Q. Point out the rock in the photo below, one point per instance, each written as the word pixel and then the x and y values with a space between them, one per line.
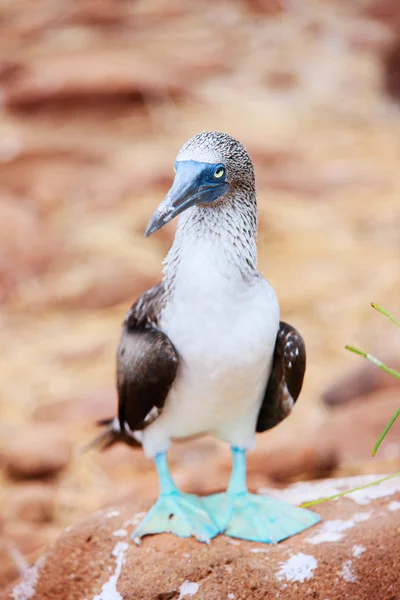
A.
pixel 9 570
pixel 27 586
pixel 273 462
pixel 21 543
pixel 302 179
pixel 351 554
pixel 387 11
pixel 354 429
pixel 38 452
pixel 33 502
pixel 102 284
pixel 391 67
pixel 82 409
pixel 29 539
pixel 100 72
pixel 299 459
pixel 365 379
pixel 27 247
pixel 265 7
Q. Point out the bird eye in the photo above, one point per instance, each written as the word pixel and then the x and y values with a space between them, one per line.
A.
pixel 219 172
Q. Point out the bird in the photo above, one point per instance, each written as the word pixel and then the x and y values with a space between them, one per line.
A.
pixel 204 351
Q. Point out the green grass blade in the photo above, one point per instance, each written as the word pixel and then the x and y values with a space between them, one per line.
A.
pixel 361 487
pixel 386 313
pixel 384 432
pixel 374 361
pixel 378 363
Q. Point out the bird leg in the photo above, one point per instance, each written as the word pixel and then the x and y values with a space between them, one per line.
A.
pixel 252 517
pixel 175 512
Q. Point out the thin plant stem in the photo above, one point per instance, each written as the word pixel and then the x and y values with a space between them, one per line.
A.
pixel 361 487
pixel 378 363
pixel 386 313
pixel 384 432
pixel 375 361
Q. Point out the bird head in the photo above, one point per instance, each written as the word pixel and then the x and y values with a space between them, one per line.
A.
pixel 208 166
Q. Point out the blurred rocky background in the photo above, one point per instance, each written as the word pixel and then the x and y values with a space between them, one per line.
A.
pixel 96 98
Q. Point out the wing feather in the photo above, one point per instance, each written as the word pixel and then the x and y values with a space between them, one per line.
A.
pixel 286 378
pixel 147 363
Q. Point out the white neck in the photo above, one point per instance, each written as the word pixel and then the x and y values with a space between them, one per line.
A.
pixel 226 233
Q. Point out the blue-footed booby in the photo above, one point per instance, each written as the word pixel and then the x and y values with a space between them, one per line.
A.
pixel 205 352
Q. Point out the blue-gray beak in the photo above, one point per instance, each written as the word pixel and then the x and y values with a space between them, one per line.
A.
pixel 193 184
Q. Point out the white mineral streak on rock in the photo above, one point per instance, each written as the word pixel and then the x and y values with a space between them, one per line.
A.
pixel 112 513
pixel 188 588
pixel 259 550
pixel 346 572
pixel 26 588
pixel 135 520
pixel 332 531
pixel 358 550
pixel 109 589
pixel 395 505
pixel 120 533
pixel 19 559
pixel 231 596
pixel 304 492
pixel 299 567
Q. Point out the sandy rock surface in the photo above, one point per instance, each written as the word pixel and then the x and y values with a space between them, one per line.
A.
pixel 37 452
pixel 353 554
pixel 96 97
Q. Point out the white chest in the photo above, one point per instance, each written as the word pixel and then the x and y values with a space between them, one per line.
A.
pixel 233 324
pixel 224 329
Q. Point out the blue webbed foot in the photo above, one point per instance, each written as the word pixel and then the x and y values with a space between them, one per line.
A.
pixel 257 518
pixel 178 513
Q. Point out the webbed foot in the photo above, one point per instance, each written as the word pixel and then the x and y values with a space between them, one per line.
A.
pixel 178 513
pixel 257 518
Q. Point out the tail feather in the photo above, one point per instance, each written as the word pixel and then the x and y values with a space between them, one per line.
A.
pixel 111 435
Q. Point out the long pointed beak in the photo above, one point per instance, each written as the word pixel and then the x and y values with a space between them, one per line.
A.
pixel 187 190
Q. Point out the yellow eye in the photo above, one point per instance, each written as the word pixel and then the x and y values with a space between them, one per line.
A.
pixel 219 172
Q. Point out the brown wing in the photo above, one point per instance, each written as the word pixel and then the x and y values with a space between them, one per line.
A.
pixel 146 363
pixel 286 378
pixel 146 368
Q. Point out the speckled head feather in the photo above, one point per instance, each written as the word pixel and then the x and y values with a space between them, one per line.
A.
pixel 219 147
pixel 229 225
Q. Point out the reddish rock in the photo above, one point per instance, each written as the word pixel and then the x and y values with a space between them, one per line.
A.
pixel 299 459
pixel 21 544
pixel 26 246
pixel 81 410
pixel 387 11
pixel 302 179
pixel 354 429
pixel 270 463
pixel 351 554
pixel 9 570
pixel 91 73
pixel 41 451
pixel 29 539
pixel 266 7
pixel 33 502
pixel 391 66
pixel 103 285
pixel 281 80
pixel 361 381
